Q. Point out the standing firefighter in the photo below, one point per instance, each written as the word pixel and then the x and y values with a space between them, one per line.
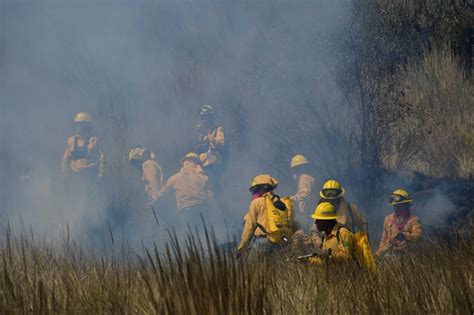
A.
pixel 303 198
pixel 269 217
pixel 83 168
pixel 83 155
pixel 211 144
pixel 347 214
pixel 191 188
pixel 144 161
pixel 338 241
pixel 401 229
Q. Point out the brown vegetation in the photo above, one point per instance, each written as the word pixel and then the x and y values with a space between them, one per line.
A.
pixel 192 280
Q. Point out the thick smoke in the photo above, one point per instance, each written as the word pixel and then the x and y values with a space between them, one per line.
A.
pixel 143 69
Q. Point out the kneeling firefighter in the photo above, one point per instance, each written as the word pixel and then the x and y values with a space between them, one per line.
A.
pixel 269 219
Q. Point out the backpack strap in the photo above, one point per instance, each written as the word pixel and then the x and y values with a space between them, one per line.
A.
pixel 262 229
pixel 74 146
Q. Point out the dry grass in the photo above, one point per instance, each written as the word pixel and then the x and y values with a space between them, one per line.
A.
pixel 192 280
pixel 438 122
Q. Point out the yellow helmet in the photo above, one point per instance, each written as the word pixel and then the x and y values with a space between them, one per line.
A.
pixel 191 156
pixel 207 110
pixel 332 190
pixel 324 211
pixel 82 117
pixel 133 154
pixel 263 179
pixel 298 160
pixel 400 196
pixel 140 154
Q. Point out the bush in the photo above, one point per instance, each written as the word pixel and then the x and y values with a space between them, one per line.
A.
pixel 439 121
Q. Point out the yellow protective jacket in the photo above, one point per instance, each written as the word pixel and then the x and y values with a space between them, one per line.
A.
pixel 190 185
pixel 412 231
pixel 152 178
pixel 256 214
pixel 83 156
pixel 216 140
pixel 304 195
pixel 340 243
pixel 354 221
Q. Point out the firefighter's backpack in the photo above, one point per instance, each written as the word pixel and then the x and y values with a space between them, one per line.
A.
pixel 279 227
pixel 362 248
pixel 362 251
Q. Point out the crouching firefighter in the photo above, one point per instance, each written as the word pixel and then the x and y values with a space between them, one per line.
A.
pixel 144 161
pixel 339 244
pixel 337 241
pixel 269 220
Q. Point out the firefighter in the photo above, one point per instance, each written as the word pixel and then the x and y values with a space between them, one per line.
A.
pixel 304 195
pixel 83 155
pixel 144 161
pixel 338 241
pixel 256 220
pixel 82 168
pixel 211 145
pixel 304 200
pixel 191 188
pixel 347 213
pixel 401 229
